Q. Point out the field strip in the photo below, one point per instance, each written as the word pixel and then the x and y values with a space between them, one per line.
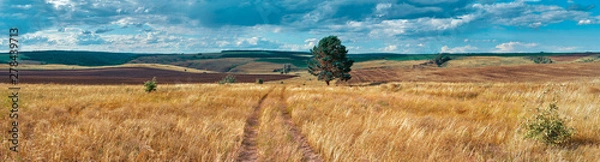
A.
pixel 308 154
pixel 248 150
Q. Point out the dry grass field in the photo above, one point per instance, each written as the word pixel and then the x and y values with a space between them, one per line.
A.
pixel 454 113
pixel 425 121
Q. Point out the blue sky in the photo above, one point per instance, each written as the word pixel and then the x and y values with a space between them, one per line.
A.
pixel 395 26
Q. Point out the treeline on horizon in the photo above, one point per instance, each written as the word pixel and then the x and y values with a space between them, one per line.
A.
pixel 94 58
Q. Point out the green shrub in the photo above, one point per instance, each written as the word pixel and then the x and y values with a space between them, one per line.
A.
pixel 227 79
pixel 150 85
pixel 440 59
pixel 541 60
pixel 259 81
pixel 548 127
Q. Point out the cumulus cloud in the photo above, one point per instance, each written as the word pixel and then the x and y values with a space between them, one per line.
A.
pixel 390 48
pixel 584 22
pixel 519 13
pixel 515 47
pixel 366 26
pixel 463 49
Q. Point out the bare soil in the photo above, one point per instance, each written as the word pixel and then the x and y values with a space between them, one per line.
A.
pixel 248 150
pixel 520 73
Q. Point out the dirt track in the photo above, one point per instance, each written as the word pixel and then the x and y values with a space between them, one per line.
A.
pixel 521 73
pixel 308 153
pixel 132 75
pixel 248 151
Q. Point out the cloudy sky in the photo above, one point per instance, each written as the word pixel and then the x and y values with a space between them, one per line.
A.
pixel 395 26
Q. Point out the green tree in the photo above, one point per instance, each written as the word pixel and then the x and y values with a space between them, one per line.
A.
pixel 329 60
pixel 440 59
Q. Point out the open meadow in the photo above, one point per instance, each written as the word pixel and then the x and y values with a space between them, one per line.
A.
pixel 401 121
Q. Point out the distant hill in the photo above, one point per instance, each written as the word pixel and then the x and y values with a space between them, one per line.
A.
pixel 221 61
pixel 81 58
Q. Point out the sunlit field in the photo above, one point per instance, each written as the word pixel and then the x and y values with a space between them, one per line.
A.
pixel 404 121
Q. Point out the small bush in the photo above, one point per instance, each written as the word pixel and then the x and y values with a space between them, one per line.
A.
pixel 541 60
pixel 150 85
pixel 548 127
pixel 259 81
pixel 227 79
pixel 440 59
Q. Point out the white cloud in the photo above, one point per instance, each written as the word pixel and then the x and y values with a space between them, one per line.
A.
pixel 60 3
pixel 383 6
pixel 464 49
pixel 417 26
pixel 390 48
pixel 430 2
pixel 515 47
pixel 519 13
pixel 222 43
pixel 308 44
pixel 584 22
pixel 24 7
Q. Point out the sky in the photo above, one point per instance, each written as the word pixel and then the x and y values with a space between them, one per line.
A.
pixel 364 26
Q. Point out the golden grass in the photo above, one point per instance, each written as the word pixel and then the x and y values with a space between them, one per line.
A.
pixel 275 143
pixel 478 61
pixel 433 122
pixel 386 63
pixel 424 121
pixel 123 123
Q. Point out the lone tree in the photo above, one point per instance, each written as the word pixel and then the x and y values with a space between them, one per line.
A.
pixel 329 60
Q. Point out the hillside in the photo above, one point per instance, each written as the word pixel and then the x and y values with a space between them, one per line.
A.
pixel 262 61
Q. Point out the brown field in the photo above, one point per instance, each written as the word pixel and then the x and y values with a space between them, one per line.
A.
pixel 132 75
pixel 518 73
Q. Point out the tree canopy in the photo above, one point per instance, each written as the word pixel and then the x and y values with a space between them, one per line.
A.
pixel 329 60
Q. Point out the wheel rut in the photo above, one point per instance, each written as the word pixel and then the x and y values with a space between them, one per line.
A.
pixel 308 154
pixel 248 150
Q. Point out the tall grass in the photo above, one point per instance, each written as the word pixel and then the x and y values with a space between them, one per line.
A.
pixel 123 123
pixel 443 121
pixel 390 122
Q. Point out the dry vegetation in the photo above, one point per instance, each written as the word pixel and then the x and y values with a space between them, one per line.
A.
pixel 391 122
pixel 444 121
pixel 418 116
pixel 118 123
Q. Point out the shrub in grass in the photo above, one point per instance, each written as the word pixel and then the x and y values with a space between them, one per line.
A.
pixel 259 81
pixel 150 85
pixel 546 126
pixel 440 59
pixel 227 79
pixel 541 60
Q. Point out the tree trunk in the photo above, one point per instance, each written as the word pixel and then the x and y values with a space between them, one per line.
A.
pixel 327 83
